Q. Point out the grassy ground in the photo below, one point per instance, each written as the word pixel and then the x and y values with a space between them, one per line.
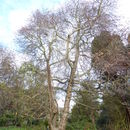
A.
pixel 17 128
pixel 12 128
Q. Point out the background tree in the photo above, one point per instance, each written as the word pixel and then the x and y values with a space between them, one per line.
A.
pixel 112 113
pixel 111 61
pixel 23 93
pixel 34 100
pixel 84 114
pixel 7 67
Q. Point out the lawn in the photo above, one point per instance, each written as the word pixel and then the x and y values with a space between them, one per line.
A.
pixel 12 128
pixel 17 128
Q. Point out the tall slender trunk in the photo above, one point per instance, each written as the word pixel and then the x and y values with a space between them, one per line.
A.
pixel 63 121
pixel 53 107
pixel 62 124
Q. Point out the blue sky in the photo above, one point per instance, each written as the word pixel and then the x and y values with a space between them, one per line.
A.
pixel 14 15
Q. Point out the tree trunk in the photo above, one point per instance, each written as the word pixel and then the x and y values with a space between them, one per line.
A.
pixel 63 121
pixel 67 103
pixel 53 107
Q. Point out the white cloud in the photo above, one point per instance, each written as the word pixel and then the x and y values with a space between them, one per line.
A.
pixel 5 34
pixel 17 19
pixel 123 12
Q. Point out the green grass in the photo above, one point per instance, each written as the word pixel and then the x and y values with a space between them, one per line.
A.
pixel 17 128
pixel 12 128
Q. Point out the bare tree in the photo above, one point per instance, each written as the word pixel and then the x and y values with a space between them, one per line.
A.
pixel 60 43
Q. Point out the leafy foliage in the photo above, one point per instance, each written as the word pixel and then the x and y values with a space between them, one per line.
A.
pixel 85 112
